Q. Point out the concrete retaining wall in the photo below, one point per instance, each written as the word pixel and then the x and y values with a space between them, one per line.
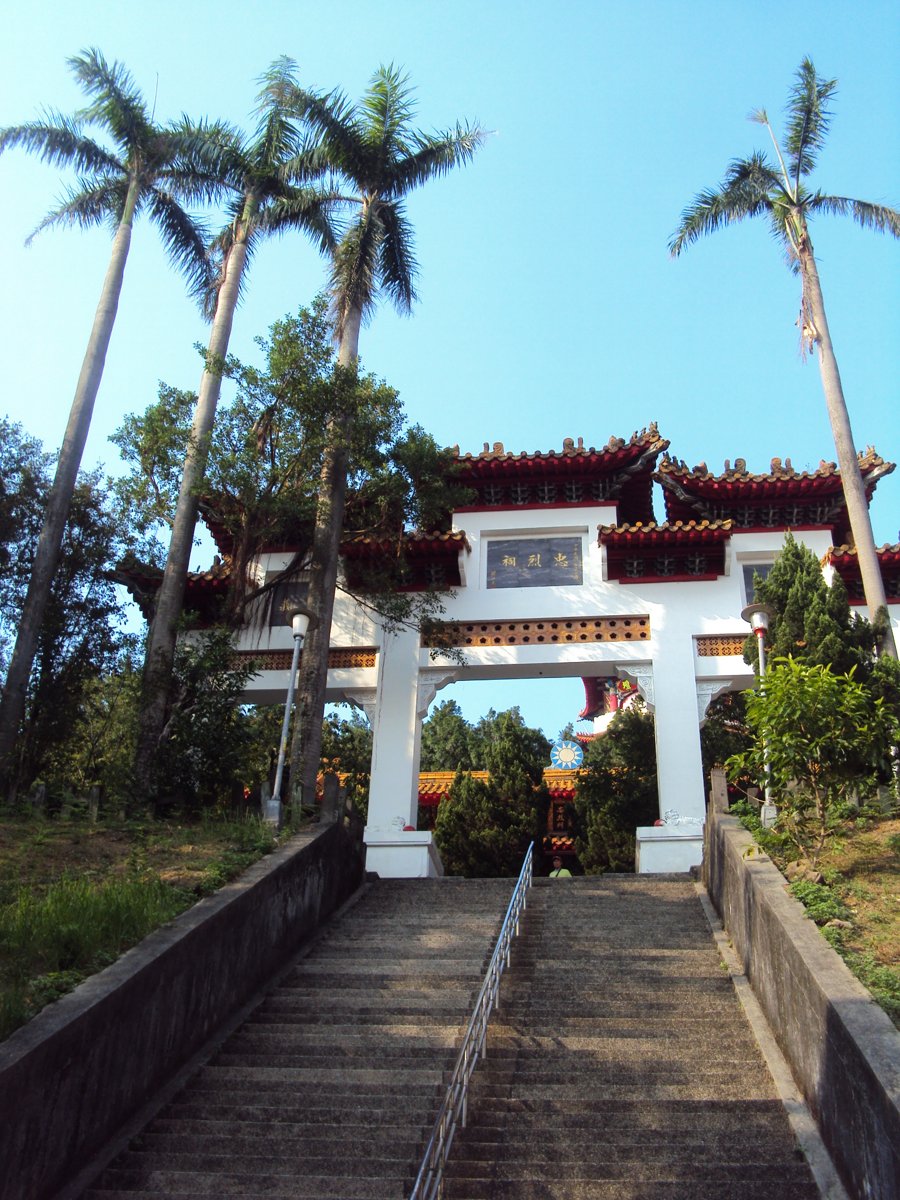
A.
pixel 82 1067
pixel 842 1048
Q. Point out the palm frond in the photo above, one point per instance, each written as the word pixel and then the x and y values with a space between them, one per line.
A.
pixel 750 187
pixel 218 253
pixel 869 216
pixel 204 160
pixel 397 262
pixel 117 104
pixel 302 208
pixel 433 156
pixel 93 203
pixel 354 270
pixel 184 240
pixel 387 107
pixel 277 135
pixel 342 146
pixel 58 140
pixel 808 119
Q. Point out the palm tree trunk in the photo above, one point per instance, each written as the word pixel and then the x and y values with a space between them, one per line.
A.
pixel 160 655
pixel 848 462
pixel 306 746
pixel 46 559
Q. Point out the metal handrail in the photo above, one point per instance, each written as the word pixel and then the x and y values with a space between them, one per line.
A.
pixel 453 1110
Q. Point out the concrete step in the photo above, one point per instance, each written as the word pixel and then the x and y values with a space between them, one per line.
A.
pixel 619 1063
pixel 252 1185
pixel 760 1187
pixel 331 1086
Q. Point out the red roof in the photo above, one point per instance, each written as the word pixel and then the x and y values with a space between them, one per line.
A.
pixel 782 498
pixel 845 561
pixel 675 551
pixel 621 473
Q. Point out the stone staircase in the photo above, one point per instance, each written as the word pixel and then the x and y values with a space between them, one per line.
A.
pixel 620 1064
pixel 331 1086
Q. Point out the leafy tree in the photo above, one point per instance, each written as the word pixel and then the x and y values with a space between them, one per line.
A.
pixel 24 472
pixel 268 178
pixel 725 731
pixel 813 730
pixel 80 635
pixel 264 455
pixel 447 740
pixel 484 828
pixel 374 151
pixel 617 792
pixel 208 738
pixel 347 750
pixel 98 746
pixel 149 169
pixel 779 192
pixel 812 621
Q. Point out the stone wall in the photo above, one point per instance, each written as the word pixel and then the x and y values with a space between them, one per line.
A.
pixel 842 1048
pixel 72 1076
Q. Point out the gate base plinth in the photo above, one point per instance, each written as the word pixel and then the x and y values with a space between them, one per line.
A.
pixel 402 854
pixel 665 848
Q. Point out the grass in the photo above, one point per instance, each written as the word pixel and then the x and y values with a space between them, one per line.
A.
pixel 74 895
pixel 857 903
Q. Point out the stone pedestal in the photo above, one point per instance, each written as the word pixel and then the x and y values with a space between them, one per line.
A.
pixel 401 854
pixel 664 848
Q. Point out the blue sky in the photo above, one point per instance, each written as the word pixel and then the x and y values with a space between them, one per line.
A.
pixel 549 307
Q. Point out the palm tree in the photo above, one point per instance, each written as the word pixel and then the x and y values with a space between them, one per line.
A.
pixel 755 187
pixel 149 169
pixel 373 149
pixel 268 179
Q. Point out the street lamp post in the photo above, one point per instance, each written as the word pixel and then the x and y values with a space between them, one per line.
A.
pixel 759 616
pixel 299 626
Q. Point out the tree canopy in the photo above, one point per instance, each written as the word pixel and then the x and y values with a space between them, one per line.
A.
pixel 617 792
pixel 483 828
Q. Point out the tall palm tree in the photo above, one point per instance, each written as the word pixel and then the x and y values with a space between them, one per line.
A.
pixel 148 170
pixel 374 151
pixel 756 187
pixel 268 177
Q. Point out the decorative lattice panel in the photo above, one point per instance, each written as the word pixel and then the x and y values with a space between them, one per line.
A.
pixel 280 660
pixel 551 632
pixel 716 646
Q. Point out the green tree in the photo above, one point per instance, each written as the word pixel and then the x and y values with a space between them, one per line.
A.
pixel 149 168
pixel 484 828
pixel 779 192
pixel 80 635
pixel 347 751
pixel 617 792
pixel 812 621
pixel 208 738
pixel 446 740
pixel 373 150
pixel 813 730
pixel 268 178
pixel 265 451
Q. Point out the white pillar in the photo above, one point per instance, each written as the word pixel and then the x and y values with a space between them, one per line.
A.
pixel 393 850
pixel 669 688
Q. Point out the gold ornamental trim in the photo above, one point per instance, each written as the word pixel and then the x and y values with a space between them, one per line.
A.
pixel 716 646
pixel 280 660
pixel 549 631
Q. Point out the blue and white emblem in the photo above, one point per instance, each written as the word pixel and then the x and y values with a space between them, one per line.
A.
pixel 566 755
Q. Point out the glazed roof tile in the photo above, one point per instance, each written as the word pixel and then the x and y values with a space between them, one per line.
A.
pixel 669 531
pixel 886 553
pixel 780 471
pixel 495 454
pixel 415 541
